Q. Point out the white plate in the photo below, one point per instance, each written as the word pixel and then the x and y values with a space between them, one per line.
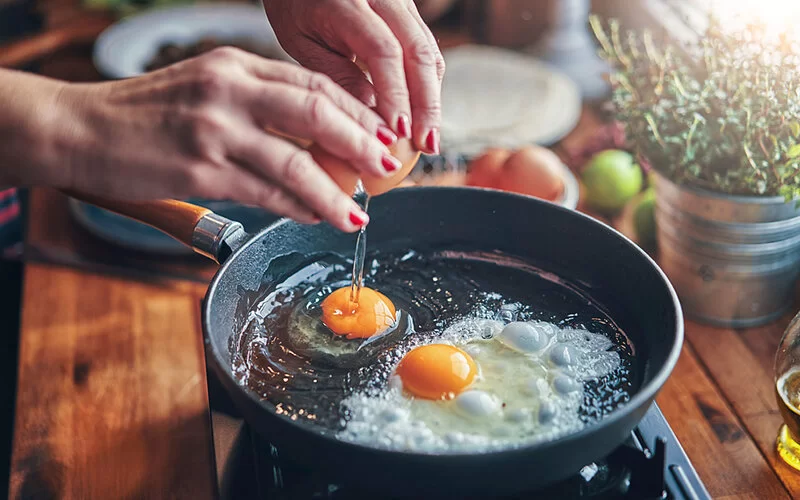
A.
pixel 125 48
pixel 494 97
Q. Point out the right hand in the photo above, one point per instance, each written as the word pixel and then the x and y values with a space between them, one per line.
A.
pixel 199 128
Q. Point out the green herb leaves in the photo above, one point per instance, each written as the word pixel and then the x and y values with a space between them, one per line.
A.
pixel 723 115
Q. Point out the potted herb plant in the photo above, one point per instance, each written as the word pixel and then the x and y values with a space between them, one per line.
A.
pixel 718 122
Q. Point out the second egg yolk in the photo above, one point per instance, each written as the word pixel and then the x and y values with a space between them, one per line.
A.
pixel 374 313
pixel 436 371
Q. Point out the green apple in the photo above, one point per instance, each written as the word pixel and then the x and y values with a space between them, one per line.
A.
pixel 611 178
pixel 644 217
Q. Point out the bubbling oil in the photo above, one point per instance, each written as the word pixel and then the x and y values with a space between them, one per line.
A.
pixel 288 357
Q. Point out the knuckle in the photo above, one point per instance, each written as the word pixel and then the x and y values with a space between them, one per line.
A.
pixel 225 53
pixel 441 67
pixel 431 110
pixel 397 93
pixel 205 127
pixel 385 48
pixel 364 147
pixel 422 53
pixel 318 110
pixel 206 124
pixel 297 167
pixel 368 119
pixel 319 82
pixel 211 83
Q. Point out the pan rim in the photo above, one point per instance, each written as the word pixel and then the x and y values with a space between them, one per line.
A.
pixel 646 393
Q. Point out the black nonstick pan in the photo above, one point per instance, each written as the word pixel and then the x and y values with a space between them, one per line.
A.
pixel 579 249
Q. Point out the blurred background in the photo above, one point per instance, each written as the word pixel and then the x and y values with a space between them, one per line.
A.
pixel 529 69
pixel 527 108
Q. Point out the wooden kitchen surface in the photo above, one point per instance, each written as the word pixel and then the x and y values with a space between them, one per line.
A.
pixel 112 396
pixel 112 399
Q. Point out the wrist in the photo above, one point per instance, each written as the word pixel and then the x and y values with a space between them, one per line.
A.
pixel 37 131
pixel 55 128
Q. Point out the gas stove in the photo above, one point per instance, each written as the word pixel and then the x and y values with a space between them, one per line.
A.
pixel 651 464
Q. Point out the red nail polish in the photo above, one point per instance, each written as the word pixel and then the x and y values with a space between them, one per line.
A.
pixel 390 163
pixel 404 126
pixel 432 141
pixel 386 136
pixel 358 219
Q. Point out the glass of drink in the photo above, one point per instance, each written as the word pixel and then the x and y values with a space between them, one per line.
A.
pixel 787 391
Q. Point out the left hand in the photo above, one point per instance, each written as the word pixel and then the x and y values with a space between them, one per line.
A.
pixel 389 37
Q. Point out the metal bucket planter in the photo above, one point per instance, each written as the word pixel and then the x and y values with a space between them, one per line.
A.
pixel 734 260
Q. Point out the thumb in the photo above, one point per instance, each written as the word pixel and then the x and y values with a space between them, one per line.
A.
pixel 340 69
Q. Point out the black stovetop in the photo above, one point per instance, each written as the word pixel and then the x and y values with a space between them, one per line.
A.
pixel 650 464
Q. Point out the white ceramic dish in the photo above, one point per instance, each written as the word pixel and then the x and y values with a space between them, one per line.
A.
pixel 495 97
pixel 126 47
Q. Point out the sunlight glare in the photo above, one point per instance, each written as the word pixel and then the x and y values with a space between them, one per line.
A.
pixel 776 16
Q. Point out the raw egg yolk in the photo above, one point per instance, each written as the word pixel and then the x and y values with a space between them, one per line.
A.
pixel 436 371
pixel 374 313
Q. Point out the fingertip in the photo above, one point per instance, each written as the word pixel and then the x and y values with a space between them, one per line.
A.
pixel 431 144
pixel 427 137
pixel 353 220
pixel 404 126
pixel 390 165
pixel 358 218
pixel 386 135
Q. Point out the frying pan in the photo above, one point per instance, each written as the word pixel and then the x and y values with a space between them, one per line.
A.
pixel 590 255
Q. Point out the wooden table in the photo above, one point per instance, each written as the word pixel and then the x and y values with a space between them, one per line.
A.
pixel 112 396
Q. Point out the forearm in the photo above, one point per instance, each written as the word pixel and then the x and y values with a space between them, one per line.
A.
pixel 30 121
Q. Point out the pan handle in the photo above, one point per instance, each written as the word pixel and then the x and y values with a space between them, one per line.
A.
pixel 208 234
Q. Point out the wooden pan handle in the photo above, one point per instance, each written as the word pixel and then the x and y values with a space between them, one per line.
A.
pixel 176 218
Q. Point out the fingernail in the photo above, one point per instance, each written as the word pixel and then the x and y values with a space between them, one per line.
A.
pixel 404 126
pixel 386 136
pixel 358 218
pixel 390 163
pixel 432 141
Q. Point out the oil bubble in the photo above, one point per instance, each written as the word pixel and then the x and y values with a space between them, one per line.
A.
pixel 523 337
pixel 565 385
pixel 563 355
pixel 547 412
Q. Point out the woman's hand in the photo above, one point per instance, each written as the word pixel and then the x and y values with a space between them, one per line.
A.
pixel 389 38
pixel 198 128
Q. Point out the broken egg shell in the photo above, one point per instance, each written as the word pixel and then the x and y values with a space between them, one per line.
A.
pixel 346 177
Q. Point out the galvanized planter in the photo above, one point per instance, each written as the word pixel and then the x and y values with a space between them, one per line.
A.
pixel 734 260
